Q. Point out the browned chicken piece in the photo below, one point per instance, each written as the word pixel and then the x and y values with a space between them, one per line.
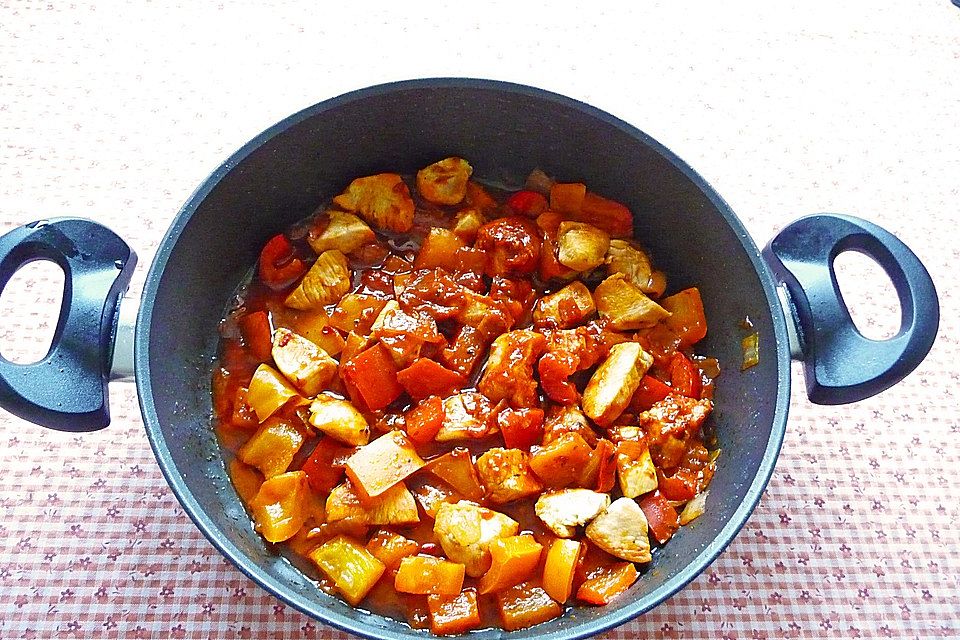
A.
pixel 622 304
pixel 383 200
pixel 614 382
pixel 340 230
pixel 465 531
pixel 564 510
pixel 304 364
pixel 509 371
pixel 467 416
pixel 568 419
pixel 675 416
pixel 581 246
pixel 506 475
pixel 512 245
pixel 325 283
pixel 621 531
pixel 444 182
pixel 565 308
pixel 635 469
pixel 627 258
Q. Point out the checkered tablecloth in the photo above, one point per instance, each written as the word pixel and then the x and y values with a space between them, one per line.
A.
pixel 116 111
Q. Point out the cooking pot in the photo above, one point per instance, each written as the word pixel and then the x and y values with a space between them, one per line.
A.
pixel 789 292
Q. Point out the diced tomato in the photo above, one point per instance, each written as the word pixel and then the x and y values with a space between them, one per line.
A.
pixel 521 428
pixel 373 374
pixel 528 203
pixel 662 518
pixel 255 328
pixel 278 265
pixel 685 376
pixel 325 466
pixel 649 392
pixel 424 420
pixel 428 378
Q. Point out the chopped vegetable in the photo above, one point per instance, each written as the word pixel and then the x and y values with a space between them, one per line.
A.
pixel 567 197
pixel 373 374
pixel 376 467
pixel 255 328
pixel 429 575
pixel 246 479
pixel 390 548
pixel 356 312
pixel 395 506
pixel 326 464
pixel 611 216
pixel 662 518
pixel 687 320
pixel 325 283
pixel 340 420
pixel 278 265
pixel 521 428
pixel 450 615
pixel 423 422
pixel 609 583
pixel 751 351
pixel 649 393
pixel 512 560
pixel 268 391
pixel 278 507
pixel 694 509
pixel 525 605
pixel 527 203
pixel 456 469
pixel 439 249
pixel 560 462
pixel 272 447
pixel 560 568
pixel 425 377
pixel 685 376
pixel 466 416
pixel 382 200
pixel 353 569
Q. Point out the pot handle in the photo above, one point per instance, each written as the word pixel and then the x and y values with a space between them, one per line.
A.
pixel 840 364
pixel 67 389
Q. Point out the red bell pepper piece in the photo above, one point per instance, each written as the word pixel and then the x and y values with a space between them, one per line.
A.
pixel 373 374
pixel 325 466
pixel 662 518
pixel 256 331
pixel 685 376
pixel 424 420
pixel 555 370
pixel 679 486
pixel 278 266
pixel 428 378
pixel 521 428
pixel 649 392
pixel 528 203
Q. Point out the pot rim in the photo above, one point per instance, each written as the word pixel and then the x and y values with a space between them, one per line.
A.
pixel 360 627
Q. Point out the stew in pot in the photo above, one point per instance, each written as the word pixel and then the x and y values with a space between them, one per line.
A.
pixel 465 406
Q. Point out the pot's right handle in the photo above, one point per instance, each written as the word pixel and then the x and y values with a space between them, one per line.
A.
pixel 841 365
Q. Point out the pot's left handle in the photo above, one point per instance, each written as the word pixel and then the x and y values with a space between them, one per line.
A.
pixel 67 389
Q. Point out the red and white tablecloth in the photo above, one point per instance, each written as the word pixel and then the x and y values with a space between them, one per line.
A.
pixel 116 111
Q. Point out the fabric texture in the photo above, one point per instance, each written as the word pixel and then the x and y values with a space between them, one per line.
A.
pixel 116 111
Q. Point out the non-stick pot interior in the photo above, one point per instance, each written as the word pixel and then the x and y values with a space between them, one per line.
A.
pixel 504 131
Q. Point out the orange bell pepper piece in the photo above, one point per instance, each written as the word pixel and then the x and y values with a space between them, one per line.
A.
pixel 429 575
pixel 662 519
pixel 687 319
pixel 456 469
pixel 512 560
pixel 451 615
pixel 428 378
pixel 423 422
pixel 608 583
pixel 525 605
pixel 390 548
pixel 373 374
pixel 256 332
pixel 560 567
pixel 560 462
pixel 521 428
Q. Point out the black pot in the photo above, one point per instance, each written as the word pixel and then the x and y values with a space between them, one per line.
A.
pixel 790 293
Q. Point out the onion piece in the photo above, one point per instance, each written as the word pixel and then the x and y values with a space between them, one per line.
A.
pixel 694 508
pixel 751 352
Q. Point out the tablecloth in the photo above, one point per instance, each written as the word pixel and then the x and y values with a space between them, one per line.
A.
pixel 117 110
